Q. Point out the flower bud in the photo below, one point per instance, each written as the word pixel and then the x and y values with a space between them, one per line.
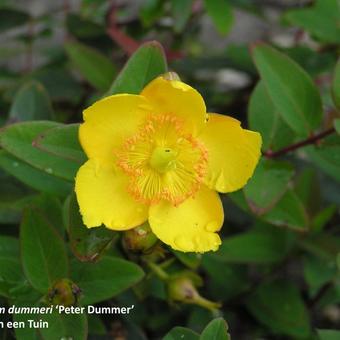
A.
pixel 140 239
pixel 182 288
pixel 63 292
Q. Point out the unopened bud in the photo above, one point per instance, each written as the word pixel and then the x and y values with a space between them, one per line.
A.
pixel 181 288
pixel 63 292
pixel 140 239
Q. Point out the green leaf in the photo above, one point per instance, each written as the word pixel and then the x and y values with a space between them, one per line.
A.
pixel 11 274
pixel 264 118
pixel 326 155
pixel 311 60
pixel 11 18
pixel 317 272
pixel 62 141
pixel 104 279
pixel 254 247
pixel 96 68
pixel 321 20
pixel 14 196
pixel 290 89
pixel 289 212
pixel 279 306
pixel 268 184
pixel 32 177
pixel 64 326
pixel 87 244
pixel 221 14
pixel 328 334
pixel 44 256
pixel 181 333
pixel 217 329
pixel 336 91
pixel 323 217
pixel 50 206
pixel 181 10
pixel 19 140
pixel 308 190
pixel 145 64
pixel 31 102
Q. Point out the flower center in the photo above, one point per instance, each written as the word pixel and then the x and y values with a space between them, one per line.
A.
pixel 162 161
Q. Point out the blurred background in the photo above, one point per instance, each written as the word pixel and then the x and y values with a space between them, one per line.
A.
pixel 207 46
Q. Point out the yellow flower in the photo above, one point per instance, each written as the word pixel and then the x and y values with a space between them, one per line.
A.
pixel 159 157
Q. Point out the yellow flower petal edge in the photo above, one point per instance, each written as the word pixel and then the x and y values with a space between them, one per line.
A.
pixel 174 97
pixel 103 199
pixel 191 226
pixel 233 153
pixel 109 121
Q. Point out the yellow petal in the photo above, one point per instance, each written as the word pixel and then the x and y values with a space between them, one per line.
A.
pixel 233 153
pixel 109 121
pixel 103 199
pixel 177 98
pixel 191 226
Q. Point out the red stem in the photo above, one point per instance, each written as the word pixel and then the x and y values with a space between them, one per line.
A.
pixel 293 147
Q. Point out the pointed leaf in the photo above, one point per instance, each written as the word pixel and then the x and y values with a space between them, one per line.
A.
pixel 31 102
pixel 321 20
pixel 217 329
pixel 44 256
pixel 145 64
pixel 264 118
pixel 290 88
pixel 95 67
pixel 221 14
pixel 181 10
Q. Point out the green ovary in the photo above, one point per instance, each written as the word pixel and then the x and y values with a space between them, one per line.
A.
pixel 163 159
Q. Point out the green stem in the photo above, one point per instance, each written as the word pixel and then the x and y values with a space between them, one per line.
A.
pixel 158 271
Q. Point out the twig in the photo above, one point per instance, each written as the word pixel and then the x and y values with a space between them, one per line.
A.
pixel 295 146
